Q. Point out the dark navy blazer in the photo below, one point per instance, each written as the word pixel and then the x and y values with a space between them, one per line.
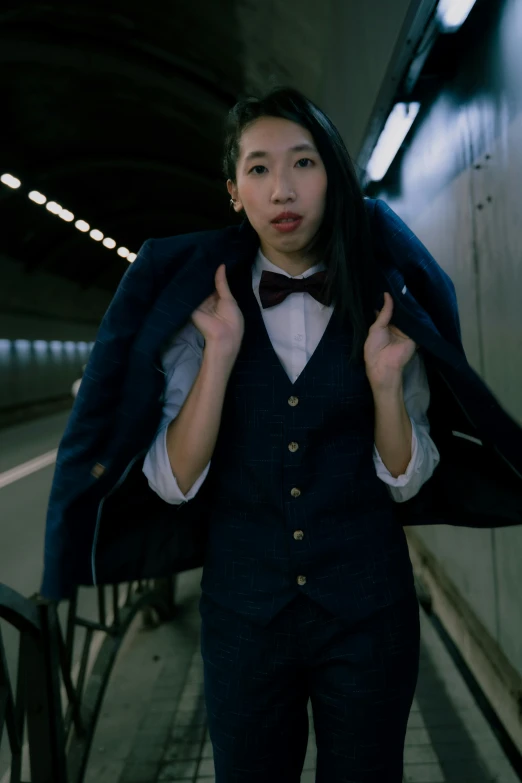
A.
pixel 104 523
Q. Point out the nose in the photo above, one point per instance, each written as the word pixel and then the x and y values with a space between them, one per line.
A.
pixel 283 190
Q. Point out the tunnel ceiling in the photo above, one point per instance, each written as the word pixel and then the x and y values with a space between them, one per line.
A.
pixel 115 110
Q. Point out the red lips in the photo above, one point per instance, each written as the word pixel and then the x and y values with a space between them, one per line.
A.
pixel 287 216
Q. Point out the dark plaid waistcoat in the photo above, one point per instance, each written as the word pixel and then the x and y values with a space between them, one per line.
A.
pixel 296 503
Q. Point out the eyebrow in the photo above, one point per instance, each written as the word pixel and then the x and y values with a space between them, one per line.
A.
pixel 305 147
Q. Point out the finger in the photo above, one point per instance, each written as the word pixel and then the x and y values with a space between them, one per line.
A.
pixel 209 302
pixel 222 283
pixel 384 317
pixel 398 332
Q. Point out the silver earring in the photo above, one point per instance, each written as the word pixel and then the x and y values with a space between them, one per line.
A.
pixel 232 202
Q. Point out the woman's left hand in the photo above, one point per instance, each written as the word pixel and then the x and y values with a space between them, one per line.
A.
pixel 387 350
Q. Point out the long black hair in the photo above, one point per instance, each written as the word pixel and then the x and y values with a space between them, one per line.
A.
pixel 343 240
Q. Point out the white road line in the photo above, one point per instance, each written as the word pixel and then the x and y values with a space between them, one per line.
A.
pixel 21 471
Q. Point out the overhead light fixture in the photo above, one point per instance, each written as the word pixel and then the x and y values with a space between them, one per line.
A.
pixel 393 134
pixel 38 198
pixel 10 181
pixel 68 216
pixel 452 14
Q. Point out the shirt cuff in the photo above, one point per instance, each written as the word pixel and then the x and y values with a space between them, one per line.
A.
pixel 158 471
pixel 414 464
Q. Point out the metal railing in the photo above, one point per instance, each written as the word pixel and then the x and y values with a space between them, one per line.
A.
pixel 50 715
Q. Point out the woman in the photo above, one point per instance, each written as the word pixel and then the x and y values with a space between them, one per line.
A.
pixel 304 410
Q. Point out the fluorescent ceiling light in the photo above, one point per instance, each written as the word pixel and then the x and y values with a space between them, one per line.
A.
pixel 394 132
pixel 38 198
pixel 453 13
pixel 10 181
pixel 67 215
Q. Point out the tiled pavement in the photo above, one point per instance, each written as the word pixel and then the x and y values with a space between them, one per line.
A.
pixel 152 728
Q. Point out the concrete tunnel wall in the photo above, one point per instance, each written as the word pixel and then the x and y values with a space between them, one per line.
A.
pixel 47 325
pixel 459 187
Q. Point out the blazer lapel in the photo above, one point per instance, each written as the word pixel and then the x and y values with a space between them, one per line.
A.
pixel 190 286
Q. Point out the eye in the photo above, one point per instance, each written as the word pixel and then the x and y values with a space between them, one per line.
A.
pixel 305 161
pixel 254 169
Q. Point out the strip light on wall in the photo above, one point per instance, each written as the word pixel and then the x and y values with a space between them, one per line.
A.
pixel 452 14
pixel 41 346
pixel 65 214
pixel 393 134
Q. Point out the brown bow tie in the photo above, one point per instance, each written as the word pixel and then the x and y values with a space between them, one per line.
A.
pixel 274 288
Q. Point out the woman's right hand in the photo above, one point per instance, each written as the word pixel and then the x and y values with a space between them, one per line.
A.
pixel 219 318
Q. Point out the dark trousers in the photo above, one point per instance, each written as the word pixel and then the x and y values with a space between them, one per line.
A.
pixel 360 678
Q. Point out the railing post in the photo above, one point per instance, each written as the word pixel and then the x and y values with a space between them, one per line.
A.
pixel 59 744
pixel 11 715
pixel 39 662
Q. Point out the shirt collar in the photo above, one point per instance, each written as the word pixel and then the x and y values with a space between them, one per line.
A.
pixel 261 263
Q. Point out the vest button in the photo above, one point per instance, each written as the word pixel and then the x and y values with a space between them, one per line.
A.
pixel 301 580
pixel 298 535
pixel 98 470
pixel 293 401
pixel 293 446
pixel 295 492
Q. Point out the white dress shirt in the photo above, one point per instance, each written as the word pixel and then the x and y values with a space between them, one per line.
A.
pixel 295 327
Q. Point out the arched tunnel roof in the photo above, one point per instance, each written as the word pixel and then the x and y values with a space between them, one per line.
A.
pixel 114 110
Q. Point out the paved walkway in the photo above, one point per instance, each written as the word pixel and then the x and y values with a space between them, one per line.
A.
pixel 153 728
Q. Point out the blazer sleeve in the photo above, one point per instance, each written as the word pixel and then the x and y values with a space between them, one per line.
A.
pixel 89 423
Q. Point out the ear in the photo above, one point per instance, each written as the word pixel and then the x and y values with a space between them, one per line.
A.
pixel 234 194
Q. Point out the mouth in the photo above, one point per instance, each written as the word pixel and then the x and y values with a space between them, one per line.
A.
pixel 287 222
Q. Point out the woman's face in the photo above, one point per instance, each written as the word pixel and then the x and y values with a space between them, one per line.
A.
pixel 280 171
